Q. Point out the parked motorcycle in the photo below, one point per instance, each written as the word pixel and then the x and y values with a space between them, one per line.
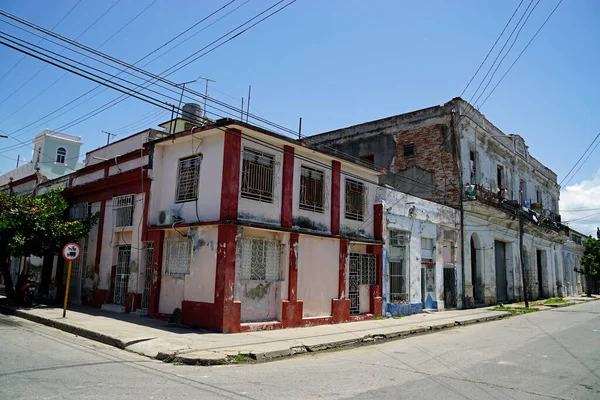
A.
pixel 28 291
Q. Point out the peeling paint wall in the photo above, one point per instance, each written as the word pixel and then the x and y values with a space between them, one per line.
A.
pixel 318 274
pixel 200 283
pixel 261 300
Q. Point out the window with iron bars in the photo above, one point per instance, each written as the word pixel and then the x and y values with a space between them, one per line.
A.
pixel 398 266
pixel 79 211
pixel 257 176
pixel 123 210
pixel 355 200
pixel 312 184
pixel 261 260
pixel 178 256
pixel 365 264
pixel 188 175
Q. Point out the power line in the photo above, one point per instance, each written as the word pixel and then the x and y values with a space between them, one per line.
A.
pixel 91 90
pixel 44 67
pixel 493 46
pixel 523 51
pixel 500 53
pixel 65 74
pixel 54 27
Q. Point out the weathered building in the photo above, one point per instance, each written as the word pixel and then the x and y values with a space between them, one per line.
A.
pixel 451 154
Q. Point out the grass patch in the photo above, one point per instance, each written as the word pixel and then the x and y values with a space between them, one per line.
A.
pixel 398 316
pixel 242 357
pixel 379 317
pixel 555 301
pixel 515 310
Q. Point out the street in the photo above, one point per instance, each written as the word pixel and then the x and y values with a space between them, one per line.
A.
pixel 551 354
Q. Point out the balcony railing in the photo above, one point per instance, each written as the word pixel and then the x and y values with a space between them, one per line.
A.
pixel 534 212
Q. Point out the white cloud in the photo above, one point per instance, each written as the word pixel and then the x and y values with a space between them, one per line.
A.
pixel 582 195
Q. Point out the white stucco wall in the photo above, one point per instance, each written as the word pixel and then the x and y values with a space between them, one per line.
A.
pixel 261 300
pixel 349 226
pixel 260 211
pixel 318 274
pixel 320 221
pixel 164 175
pixel 200 283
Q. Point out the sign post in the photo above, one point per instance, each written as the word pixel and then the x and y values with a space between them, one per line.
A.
pixel 70 252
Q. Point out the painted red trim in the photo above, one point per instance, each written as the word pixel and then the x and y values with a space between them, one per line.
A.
pixel 317 321
pixel 29 178
pixel 336 167
pixel 287 194
pixel 230 182
pixel 293 268
pixel 129 182
pixel 376 301
pixel 260 326
pixel 228 311
pixel 108 163
pixel 361 317
pixel 158 237
pixel 378 221
pixel 99 237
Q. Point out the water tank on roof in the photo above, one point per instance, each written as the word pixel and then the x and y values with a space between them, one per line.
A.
pixel 192 112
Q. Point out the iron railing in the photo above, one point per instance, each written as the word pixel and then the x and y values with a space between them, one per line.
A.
pixel 258 171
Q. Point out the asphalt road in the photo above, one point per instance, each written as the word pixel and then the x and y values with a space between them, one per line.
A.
pixel 551 354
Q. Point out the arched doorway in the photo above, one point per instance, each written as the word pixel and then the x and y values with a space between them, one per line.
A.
pixel 476 270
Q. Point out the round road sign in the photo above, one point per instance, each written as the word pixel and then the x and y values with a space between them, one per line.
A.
pixel 71 251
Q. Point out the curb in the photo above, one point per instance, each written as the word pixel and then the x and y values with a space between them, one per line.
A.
pixel 210 358
pixel 86 333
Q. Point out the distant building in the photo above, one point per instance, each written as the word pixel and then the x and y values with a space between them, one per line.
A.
pixel 451 154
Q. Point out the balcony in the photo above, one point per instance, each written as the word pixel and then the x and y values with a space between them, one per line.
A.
pixel 534 212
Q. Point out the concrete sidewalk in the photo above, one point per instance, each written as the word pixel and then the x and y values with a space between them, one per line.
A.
pixel 156 339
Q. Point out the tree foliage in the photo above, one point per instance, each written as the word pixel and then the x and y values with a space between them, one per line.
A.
pixel 590 263
pixel 33 225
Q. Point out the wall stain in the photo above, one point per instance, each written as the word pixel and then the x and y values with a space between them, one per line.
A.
pixel 259 292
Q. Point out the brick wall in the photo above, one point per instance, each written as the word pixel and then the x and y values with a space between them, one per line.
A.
pixel 433 163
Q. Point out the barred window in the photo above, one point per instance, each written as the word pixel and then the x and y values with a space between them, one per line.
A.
pixel 79 211
pixel 257 176
pixel 398 266
pixel 355 200
pixel 409 150
pixel 261 260
pixel 123 210
pixel 312 184
pixel 179 252
pixel 188 174
pixel 366 266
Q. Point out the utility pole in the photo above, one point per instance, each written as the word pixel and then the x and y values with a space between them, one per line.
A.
pixel 108 135
pixel 206 92
pixel 521 252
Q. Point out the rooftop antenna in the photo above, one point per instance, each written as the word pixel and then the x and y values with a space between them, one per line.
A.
pixel 108 135
pixel 242 110
pixel 248 105
pixel 206 91
pixel 300 128
pixel 181 97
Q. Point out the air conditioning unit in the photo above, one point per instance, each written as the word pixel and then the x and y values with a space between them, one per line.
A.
pixel 168 217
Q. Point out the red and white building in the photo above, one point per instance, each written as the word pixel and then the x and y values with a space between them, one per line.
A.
pixel 237 227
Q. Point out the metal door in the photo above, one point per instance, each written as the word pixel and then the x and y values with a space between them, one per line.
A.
pixel 78 270
pixel 122 275
pixel 501 281
pixel 354 278
pixel 450 287
pixel 148 260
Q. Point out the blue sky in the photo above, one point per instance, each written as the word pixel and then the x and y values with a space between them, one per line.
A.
pixel 334 63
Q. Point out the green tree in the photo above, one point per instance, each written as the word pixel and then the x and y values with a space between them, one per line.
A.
pixel 35 226
pixel 590 263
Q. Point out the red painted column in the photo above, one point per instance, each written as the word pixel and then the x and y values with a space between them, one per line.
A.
pixel 230 184
pixel 287 195
pixel 100 295
pixel 376 305
pixel 340 307
pixel 378 221
pixel 227 312
pixel 158 237
pixel 336 168
pixel 292 308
